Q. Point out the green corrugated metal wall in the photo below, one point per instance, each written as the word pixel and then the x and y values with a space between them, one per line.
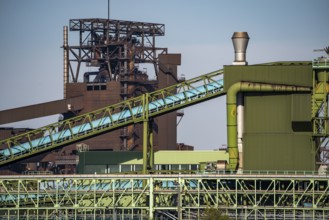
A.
pixel 293 74
pixel 270 143
pixel 277 126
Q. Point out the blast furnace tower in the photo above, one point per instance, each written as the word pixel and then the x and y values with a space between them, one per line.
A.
pixel 108 65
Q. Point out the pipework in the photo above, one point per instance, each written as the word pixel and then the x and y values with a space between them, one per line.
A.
pixel 231 111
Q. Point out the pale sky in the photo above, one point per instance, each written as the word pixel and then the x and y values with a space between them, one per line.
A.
pixel 31 38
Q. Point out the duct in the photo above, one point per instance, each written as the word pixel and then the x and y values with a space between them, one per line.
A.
pixel 231 111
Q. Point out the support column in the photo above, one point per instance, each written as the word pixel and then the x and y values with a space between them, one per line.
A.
pixel 148 153
pixel 151 199
pixel 145 143
pixel 167 124
pixel 150 139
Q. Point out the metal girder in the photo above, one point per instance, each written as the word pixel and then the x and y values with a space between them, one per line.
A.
pixel 320 109
pixel 111 43
pixel 41 110
pixel 134 110
pixel 153 196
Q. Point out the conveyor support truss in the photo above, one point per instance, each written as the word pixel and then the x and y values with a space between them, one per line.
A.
pixel 135 110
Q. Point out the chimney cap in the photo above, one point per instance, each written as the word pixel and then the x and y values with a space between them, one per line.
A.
pixel 240 35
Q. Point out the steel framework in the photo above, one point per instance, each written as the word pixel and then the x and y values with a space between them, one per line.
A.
pixel 320 109
pixel 112 44
pixel 134 110
pixel 164 196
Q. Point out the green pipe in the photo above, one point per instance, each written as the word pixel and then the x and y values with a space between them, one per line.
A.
pixel 145 144
pixel 231 102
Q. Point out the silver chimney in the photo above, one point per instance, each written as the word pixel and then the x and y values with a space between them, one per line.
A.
pixel 240 42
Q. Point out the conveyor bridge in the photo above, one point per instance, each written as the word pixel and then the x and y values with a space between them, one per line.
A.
pixel 135 110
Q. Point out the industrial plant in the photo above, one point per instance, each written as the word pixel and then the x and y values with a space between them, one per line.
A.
pixel 113 153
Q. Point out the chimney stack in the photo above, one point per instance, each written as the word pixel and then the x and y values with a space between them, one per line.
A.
pixel 240 42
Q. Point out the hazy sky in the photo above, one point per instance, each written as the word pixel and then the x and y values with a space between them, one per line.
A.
pixel 31 37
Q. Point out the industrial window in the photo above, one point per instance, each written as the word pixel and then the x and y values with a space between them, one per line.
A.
pixel 126 168
pixel 96 87
pixel 95 169
pixel 175 167
pixel 164 167
pixel 138 167
pixel 184 167
pixel 113 169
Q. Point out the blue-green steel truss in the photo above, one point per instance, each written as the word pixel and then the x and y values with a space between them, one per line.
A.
pixel 134 110
pixel 164 196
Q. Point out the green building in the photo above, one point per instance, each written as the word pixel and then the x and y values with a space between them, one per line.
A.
pixel 277 125
pixel 101 162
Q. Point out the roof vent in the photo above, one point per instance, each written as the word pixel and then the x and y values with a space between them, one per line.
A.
pixel 240 42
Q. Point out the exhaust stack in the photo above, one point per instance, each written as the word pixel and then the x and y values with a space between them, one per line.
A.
pixel 65 58
pixel 240 42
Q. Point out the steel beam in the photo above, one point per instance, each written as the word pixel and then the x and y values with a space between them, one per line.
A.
pixel 41 110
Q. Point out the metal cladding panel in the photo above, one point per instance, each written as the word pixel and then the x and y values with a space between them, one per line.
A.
pixel 267 113
pixel 301 107
pixel 277 126
pixel 278 152
pixel 270 142
pixel 293 74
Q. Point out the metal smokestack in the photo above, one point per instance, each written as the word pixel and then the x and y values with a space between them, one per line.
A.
pixel 65 58
pixel 240 42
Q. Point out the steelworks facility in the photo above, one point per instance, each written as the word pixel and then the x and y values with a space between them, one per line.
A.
pixel 113 153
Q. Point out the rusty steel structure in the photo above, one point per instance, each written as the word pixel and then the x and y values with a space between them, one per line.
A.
pixel 114 46
pixel 111 93
pixel 105 62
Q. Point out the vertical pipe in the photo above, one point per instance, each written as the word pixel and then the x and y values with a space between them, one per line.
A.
pixel 146 136
pixel 125 89
pixel 150 138
pixel 108 9
pixel 65 58
pixel 145 143
pixel 151 198
pixel 240 128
